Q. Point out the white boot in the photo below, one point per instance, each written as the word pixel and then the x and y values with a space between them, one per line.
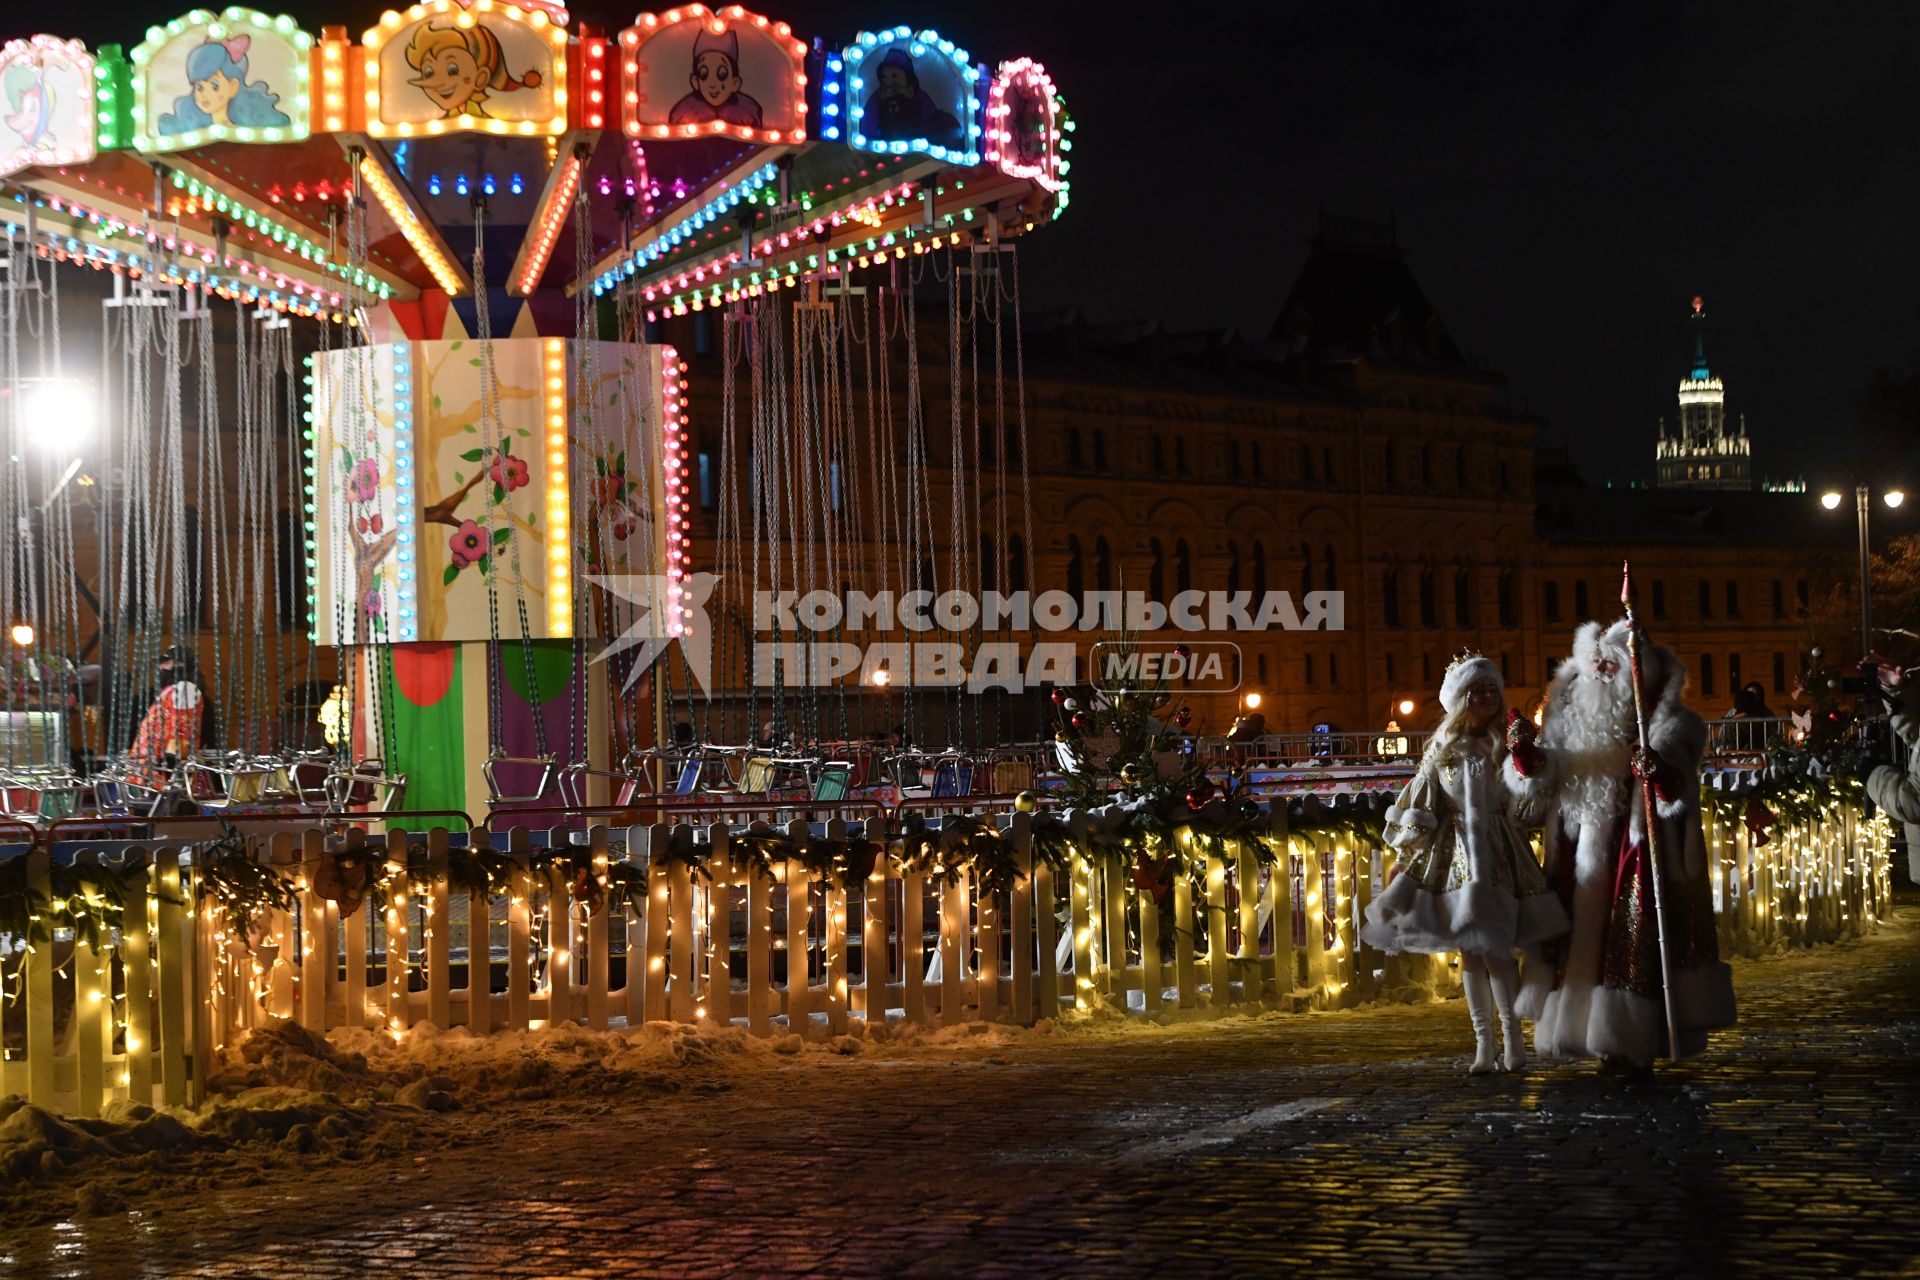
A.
pixel 1479 1008
pixel 1505 981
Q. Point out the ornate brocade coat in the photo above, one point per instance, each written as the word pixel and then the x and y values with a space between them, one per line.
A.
pixel 1468 879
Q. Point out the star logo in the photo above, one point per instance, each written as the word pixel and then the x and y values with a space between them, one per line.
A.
pixel 653 597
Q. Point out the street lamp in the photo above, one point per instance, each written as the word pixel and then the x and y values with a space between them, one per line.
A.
pixel 1406 706
pixel 1251 702
pixel 1862 496
pixel 23 634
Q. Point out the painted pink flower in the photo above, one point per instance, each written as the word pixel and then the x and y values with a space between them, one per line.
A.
pixel 372 602
pixel 608 490
pixel 509 472
pixel 469 543
pixel 363 482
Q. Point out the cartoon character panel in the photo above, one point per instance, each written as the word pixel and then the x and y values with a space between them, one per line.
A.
pixel 443 67
pixel 693 73
pixel 46 103
pixel 908 91
pixel 238 77
pixel 1024 124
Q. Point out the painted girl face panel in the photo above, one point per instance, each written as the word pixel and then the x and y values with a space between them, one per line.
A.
pixel 26 120
pixel 449 77
pixel 715 77
pixel 214 93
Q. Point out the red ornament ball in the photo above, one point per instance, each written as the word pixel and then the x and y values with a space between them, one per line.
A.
pixel 1081 721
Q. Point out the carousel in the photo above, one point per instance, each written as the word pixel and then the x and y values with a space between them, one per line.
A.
pixel 425 356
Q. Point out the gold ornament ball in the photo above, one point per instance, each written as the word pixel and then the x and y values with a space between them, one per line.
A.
pixel 1130 774
pixel 1026 802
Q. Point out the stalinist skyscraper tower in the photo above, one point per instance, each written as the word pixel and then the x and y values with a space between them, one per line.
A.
pixel 1704 454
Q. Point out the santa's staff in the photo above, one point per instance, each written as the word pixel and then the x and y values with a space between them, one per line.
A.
pixel 1649 808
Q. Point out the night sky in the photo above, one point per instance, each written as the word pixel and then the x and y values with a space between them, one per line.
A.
pixel 1566 177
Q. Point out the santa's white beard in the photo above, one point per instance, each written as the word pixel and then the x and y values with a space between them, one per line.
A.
pixel 1594 732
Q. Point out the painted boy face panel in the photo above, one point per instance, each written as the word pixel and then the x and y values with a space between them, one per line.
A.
pixel 449 77
pixel 214 94
pixel 715 78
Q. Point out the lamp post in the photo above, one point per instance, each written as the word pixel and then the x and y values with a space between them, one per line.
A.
pixel 1862 501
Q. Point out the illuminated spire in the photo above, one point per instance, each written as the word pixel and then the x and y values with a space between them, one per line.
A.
pixel 1699 373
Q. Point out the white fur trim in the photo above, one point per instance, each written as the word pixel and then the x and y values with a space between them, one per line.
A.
pixel 1475 917
pixel 1536 983
pixel 1589 1021
pixel 1541 917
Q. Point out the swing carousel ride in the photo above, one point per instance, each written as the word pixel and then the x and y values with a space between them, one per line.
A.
pixel 392 396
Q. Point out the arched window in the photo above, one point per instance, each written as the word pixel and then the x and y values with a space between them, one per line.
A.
pixel 1016 562
pixel 1259 463
pixel 1102 565
pixel 1099 451
pixel 1180 454
pixel 1233 457
pixel 1182 566
pixel 1326 463
pixel 1306 463
pixel 1259 572
pixel 1329 573
pixel 1157 451
pixel 989 567
pixel 1156 570
pixel 1429 608
pixel 1506 599
pixel 1390 596
pixel 1463 597
pixel 1233 566
pixel 1306 568
pixel 1073 448
pixel 1076 568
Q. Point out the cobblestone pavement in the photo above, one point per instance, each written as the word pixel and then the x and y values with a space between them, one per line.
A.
pixel 1327 1144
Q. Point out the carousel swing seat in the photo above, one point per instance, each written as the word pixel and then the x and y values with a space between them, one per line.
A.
pixel 40 795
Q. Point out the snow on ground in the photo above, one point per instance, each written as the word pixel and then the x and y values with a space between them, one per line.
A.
pixel 284 1096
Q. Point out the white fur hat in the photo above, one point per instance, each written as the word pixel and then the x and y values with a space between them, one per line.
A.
pixel 1462 674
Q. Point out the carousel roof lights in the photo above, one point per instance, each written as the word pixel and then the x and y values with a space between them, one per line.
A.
pixel 417 236
pixel 562 187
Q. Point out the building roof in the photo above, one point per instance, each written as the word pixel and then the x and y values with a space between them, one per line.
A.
pixel 1356 299
pixel 1698 517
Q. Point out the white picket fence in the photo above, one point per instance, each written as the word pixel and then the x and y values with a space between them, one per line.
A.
pixel 144 1017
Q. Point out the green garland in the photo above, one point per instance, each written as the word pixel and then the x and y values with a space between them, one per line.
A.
pixel 1792 792
pixel 960 843
pixel 239 883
